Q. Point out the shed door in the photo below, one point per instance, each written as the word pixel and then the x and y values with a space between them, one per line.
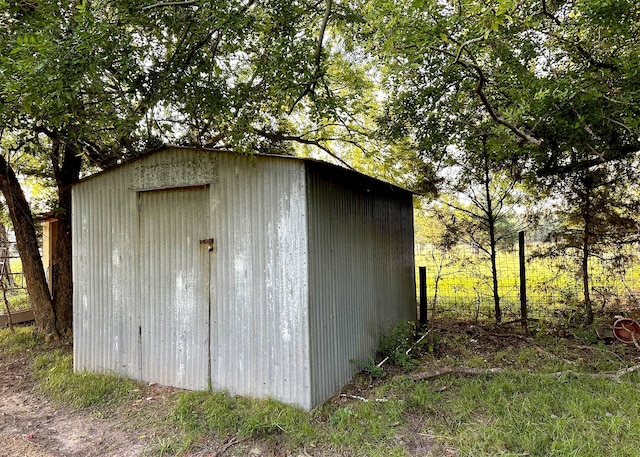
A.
pixel 174 288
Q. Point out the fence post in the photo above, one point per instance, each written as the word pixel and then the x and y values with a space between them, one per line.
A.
pixel 422 275
pixel 523 283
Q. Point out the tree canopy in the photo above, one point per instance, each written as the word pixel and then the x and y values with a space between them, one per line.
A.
pixel 559 76
pixel 408 87
pixel 90 83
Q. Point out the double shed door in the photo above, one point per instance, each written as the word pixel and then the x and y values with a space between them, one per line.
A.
pixel 175 255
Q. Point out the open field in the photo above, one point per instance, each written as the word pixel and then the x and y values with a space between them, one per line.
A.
pixel 554 286
pixel 481 391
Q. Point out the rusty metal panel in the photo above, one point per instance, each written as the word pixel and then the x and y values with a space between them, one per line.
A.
pixel 361 271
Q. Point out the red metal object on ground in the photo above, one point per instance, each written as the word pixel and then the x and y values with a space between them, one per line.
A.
pixel 627 330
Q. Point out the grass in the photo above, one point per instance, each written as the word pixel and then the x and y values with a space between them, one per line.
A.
pixel 527 409
pixel 18 301
pixel 552 284
pixel 22 341
pixel 56 378
pixel 18 298
pixel 546 401
pixel 519 413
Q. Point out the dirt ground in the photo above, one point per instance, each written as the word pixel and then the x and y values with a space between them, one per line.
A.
pixel 32 426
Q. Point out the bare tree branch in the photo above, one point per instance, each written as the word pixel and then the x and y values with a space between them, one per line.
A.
pixel 298 139
pixel 165 4
pixel 318 56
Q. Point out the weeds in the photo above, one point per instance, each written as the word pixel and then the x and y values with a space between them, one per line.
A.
pixel 370 367
pixel 396 348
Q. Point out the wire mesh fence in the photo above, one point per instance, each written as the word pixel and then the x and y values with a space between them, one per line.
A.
pixel 459 282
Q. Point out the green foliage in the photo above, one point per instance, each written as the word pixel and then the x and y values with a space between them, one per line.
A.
pixel 18 300
pixel 398 344
pixel 527 409
pixel 361 428
pixel 371 367
pixel 553 290
pixel 123 76
pixel 203 413
pixel 56 378
pixel 539 405
pixel 537 415
pixel 396 348
pixel 547 86
pixel 587 334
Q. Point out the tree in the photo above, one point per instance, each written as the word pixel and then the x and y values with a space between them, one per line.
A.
pixel 482 200
pixel 558 77
pixel 597 218
pixel 90 83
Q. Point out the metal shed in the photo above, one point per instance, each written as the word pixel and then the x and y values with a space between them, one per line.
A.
pixel 262 276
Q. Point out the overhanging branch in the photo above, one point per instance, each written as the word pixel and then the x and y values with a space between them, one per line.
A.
pixel 317 57
pixel 165 4
pixel 275 136
pixel 579 165
pixel 480 92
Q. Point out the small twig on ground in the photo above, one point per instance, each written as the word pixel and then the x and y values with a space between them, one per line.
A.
pixel 543 351
pixel 9 414
pixel 627 370
pixel 463 371
pixel 232 442
pixel 366 400
pixel 635 339
pixel 615 375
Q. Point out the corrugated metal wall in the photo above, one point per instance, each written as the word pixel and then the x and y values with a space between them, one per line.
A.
pixel 307 270
pixel 105 290
pixel 259 332
pixel 141 275
pixel 361 271
pixel 173 277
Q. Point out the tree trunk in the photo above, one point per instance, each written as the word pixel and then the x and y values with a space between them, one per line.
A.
pixel 491 222
pixel 27 244
pixel 62 288
pixel 586 244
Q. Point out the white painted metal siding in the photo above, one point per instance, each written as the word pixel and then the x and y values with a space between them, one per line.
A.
pixel 259 332
pixel 104 276
pixel 307 269
pixel 173 290
pixel 132 264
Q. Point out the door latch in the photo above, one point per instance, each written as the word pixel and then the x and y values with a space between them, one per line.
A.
pixel 210 242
